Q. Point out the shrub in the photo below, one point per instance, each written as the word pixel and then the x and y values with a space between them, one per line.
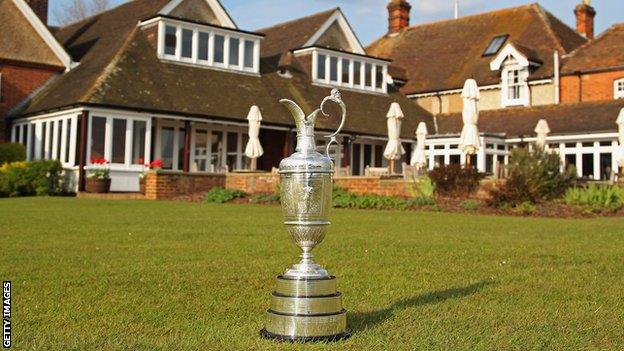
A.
pixel 525 208
pixel 470 205
pixel 424 188
pixel 534 176
pixel 421 201
pixel 264 198
pixel 343 199
pixel 31 178
pixel 455 180
pixel 596 198
pixel 12 152
pixel 221 195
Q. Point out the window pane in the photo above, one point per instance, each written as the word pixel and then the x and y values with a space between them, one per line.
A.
pixel 368 155
pixel 98 130
pixel 138 142
pixel 119 141
pixel 25 138
pixel 187 43
pixel 201 151
pixel 379 77
pixel 219 42
pixel 166 148
pixel 333 69
pixel 234 43
pixel 181 137
pixel 368 71
pixel 320 67
pixel 170 40
pixel 202 47
pixel 232 142
pixel 249 54
pixel 59 139
pixel 67 139
pixel 356 159
pixel 18 129
pixel 216 150
pixel 588 166
pixel 378 156
pixel 345 70
pixel 32 141
pixel 44 137
pixel 357 66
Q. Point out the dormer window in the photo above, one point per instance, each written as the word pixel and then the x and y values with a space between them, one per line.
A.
pixel 618 89
pixel 346 70
pixel 515 90
pixel 207 45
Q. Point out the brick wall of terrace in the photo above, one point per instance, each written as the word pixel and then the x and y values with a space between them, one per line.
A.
pixel 167 185
pixel 253 183
pixel 375 186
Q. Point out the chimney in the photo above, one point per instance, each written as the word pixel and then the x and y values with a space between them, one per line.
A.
pixel 398 15
pixel 585 14
pixel 40 7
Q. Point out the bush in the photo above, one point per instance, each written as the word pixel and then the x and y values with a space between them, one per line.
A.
pixel 470 205
pixel 12 152
pixel 264 198
pixel 421 201
pixel 455 180
pixel 31 178
pixel 424 188
pixel 597 198
pixel 525 208
pixel 534 176
pixel 343 199
pixel 221 195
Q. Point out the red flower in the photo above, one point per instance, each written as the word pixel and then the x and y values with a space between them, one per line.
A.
pixel 99 161
pixel 156 164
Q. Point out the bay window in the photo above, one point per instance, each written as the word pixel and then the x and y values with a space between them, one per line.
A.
pixel 50 138
pixel 347 70
pixel 208 46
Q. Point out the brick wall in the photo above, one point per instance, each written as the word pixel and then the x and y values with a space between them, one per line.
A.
pixel 591 87
pixel 253 183
pixel 17 83
pixel 168 185
pixel 375 186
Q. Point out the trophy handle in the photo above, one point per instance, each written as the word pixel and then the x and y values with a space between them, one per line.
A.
pixel 337 98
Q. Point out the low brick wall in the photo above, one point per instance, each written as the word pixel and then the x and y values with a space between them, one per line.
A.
pixel 168 185
pixel 253 183
pixel 375 186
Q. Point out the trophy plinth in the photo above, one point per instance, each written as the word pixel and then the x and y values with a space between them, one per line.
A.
pixel 305 305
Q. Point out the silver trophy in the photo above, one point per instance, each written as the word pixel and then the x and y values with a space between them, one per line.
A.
pixel 305 305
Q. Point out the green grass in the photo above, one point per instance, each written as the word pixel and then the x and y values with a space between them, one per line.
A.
pixel 133 275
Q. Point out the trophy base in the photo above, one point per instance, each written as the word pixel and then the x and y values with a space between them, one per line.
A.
pixel 306 310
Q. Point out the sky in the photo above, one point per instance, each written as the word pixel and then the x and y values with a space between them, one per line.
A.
pixel 369 17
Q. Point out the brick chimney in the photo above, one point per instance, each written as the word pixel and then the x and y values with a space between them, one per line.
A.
pixel 398 15
pixel 40 7
pixel 585 14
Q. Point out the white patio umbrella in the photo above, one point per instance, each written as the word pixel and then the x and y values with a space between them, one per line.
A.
pixel 542 131
pixel 469 141
pixel 419 157
pixel 394 150
pixel 253 150
pixel 620 151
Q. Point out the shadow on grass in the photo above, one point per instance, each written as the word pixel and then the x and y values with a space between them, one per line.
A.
pixel 359 321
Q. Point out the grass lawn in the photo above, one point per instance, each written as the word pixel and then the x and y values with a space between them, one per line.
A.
pixel 134 275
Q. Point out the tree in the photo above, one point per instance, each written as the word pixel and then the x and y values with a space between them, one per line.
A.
pixel 75 10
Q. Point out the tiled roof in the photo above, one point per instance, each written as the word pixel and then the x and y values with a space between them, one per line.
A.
pixel 128 74
pixel 293 34
pixel 442 55
pixel 574 118
pixel 604 52
pixel 25 44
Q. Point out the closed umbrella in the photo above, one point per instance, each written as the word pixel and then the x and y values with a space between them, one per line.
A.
pixel 469 141
pixel 620 151
pixel 542 131
pixel 394 150
pixel 253 150
pixel 419 158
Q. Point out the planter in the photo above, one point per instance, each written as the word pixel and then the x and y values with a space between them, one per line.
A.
pixel 142 185
pixel 98 186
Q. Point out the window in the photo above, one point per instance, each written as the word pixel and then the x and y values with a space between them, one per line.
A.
pixel 249 54
pixel 181 138
pixel 187 43
pixel 333 69
pixel 515 90
pixel 203 42
pixel 201 150
pixel 170 40
pixel 352 72
pixel 232 150
pixel 119 141
pixel 513 85
pixel 368 71
pixel 618 89
pixel 59 138
pixel 98 137
pixel 216 151
pixel 320 67
pixel 233 59
pixel 345 71
pixel 379 77
pixel 44 138
pixel 139 128
pixel 357 74
pixel 495 45
pixel 166 147
pixel 219 42
pixel 68 122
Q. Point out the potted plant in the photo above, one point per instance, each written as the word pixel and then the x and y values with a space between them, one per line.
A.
pixel 152 166
pixel 98 179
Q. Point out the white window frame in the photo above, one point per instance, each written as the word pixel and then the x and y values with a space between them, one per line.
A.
pixel 211 31
pixel 350 84
pixel 54 149
pixel 524 98
pixel 618 88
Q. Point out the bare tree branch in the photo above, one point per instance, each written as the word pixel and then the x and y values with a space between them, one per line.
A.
pixel 76 10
